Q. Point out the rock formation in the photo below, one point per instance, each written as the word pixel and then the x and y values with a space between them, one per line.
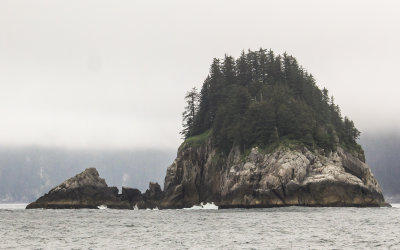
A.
pixel 85 190
pixel 149 199
pixel 283 177
pixel 88 190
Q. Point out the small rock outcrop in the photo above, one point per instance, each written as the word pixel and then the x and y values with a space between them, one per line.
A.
pixel 152 197
pixel 132 195
pixel 85 190
pixel 284 177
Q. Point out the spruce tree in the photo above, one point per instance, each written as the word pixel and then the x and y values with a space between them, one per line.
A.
pixel 263 98
pixel 189 114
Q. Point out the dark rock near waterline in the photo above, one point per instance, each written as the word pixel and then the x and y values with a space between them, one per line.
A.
pixel 152 197
pixel 85 190
pixel 154 192
pixel 88 190
pixel 132 195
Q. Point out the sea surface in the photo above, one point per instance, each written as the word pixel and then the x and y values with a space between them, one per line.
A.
pixel 272 228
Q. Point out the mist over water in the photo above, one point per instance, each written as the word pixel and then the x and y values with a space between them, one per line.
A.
pixel 382 156
pixel 274 228
pixel 115 75
pixel 28 172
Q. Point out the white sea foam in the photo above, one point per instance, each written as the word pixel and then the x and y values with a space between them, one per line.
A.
pixel 395 205
pixel 148 209
pixel 203 206
pixel 102 207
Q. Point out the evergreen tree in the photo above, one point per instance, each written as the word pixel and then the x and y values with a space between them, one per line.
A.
pixel 188 115
pixel 351 133
pixel 263 98
pixel 243 70
pixel 216 89
pixel 228 70
pixel 203 117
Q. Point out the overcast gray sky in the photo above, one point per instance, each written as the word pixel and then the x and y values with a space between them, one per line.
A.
pixel 114 73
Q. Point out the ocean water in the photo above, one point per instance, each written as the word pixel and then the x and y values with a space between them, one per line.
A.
pixel 272 228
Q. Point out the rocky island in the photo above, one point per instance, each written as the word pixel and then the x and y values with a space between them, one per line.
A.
pixel 85 190
pixel 259 134
pixel 88 190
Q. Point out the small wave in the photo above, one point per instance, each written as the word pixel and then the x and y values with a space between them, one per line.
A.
pixel 148 209
pixel 102 207
pixel 203 206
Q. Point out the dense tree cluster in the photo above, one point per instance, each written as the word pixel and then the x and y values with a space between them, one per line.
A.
pixel 262 98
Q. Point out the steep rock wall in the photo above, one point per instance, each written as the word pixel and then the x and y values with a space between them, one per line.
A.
pixel 281 178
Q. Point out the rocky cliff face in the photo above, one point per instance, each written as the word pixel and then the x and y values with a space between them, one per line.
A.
pixel 281 178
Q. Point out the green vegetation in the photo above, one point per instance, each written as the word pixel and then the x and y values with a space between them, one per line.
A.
pixel 197 140
pixel 264 100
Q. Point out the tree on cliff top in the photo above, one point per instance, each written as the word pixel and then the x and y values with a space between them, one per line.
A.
pixel 260 99
pixel 188 115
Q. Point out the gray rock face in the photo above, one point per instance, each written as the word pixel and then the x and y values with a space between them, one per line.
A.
pixel 281 178
pixel 89 177
pixel 85 190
